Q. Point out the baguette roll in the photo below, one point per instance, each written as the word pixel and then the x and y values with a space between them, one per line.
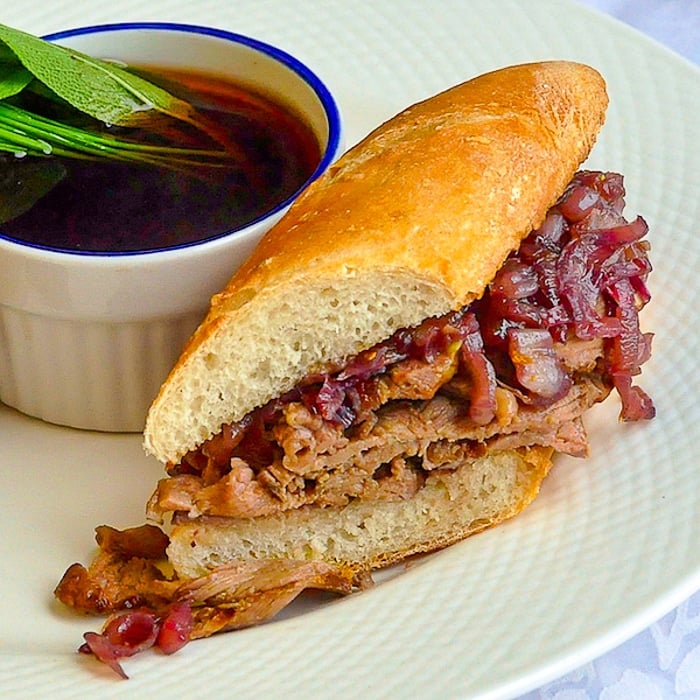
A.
pixel 412 223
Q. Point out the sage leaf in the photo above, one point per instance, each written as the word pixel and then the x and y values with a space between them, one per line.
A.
pixel 96 87
pixel 6 56
pixel 25 182
pixel 14 77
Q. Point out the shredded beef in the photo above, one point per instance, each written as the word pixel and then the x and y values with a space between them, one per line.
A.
pixel 555 331
pixel 149 609
pixel 331 472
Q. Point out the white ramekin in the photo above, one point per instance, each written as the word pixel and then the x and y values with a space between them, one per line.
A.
pixel 86 339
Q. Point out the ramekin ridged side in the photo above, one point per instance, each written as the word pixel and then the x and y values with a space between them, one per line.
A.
pixel 97 375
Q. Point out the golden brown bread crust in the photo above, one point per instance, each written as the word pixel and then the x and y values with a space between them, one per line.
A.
pixel 447 188
pixel 414 220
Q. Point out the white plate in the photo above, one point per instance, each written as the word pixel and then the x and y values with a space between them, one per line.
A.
pixel 610 545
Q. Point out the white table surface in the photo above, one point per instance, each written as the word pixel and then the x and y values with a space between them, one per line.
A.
pixel 663 661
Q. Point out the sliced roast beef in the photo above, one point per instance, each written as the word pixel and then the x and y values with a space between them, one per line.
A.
pixel 555 330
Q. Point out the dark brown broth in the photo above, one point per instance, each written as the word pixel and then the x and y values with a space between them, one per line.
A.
pixel 107 206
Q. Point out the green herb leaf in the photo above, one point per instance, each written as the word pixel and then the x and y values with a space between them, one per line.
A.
pixel 36 74
pixel 6 56
pixel 13 79
pixel 96 87
pixel 23 183
pixel 25 133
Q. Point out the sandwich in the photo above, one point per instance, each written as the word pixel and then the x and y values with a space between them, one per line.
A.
pixel 397 363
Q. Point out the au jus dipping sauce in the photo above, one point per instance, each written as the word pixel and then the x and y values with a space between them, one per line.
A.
pixel 114 207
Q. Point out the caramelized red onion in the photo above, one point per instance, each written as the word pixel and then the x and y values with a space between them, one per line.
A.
pixel 175 628
pixel 342 397
pixel 581 274
pixel 473 361
pixel 133 632
pixel 538 369
pixel 123 636
pixel 591 265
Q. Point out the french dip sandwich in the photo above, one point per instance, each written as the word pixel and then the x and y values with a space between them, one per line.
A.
pixel 394 367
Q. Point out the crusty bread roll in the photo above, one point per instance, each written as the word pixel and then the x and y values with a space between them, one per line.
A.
pixel 372 534
pixel 412 222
